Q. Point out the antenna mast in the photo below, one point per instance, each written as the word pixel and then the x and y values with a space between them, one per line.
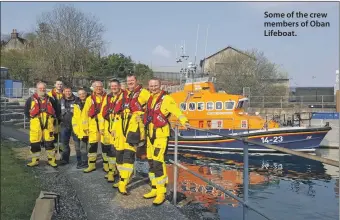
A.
pixel 198 28
pixel 205 49
pixel 181 60
pixel 192 66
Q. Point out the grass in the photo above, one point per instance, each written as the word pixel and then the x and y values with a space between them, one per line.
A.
pixel 19 187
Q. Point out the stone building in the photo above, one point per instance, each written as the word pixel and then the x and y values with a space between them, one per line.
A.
pixel 213 64
pixel 16 42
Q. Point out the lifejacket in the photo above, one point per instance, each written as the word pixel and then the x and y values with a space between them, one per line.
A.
pixel 154 115
pixel 119 106
pixel 54 94
pixel 132 103
pixel 40 107
pixel 95 107
pixel 110 106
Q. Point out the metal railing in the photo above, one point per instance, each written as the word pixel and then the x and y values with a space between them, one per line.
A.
pixel 245 201
pixel 3 117
pixel 309 101
pixel 16 92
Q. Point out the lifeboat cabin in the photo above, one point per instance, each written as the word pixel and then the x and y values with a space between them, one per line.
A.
pixel 217 111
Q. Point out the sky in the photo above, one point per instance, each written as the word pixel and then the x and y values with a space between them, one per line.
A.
pixel 149 31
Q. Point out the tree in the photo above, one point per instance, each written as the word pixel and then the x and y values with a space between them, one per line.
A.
pixel 4 39
pixel 19 65
pixel 66 41
pixel 118 65
pixel 143 72
pixel 111 65
pixel 67 44
pixel 254 70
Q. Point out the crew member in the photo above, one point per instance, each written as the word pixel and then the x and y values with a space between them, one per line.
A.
pixel 67 108
pixel 106 126
pixel 78 129
pixel 57 93
pixel 159 107
pixel 90 123
pixel 41 110
pixel 129 129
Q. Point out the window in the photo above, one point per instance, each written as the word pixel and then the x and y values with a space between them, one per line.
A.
pixel 229 105
pixel 219 105
pixel 200 106
pixel 210 105
pixel 192 106
pixel 183 106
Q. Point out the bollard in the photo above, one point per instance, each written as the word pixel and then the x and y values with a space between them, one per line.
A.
pixel 45 205
pixel 175 166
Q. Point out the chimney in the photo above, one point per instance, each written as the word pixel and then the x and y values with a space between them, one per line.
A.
pixel 14 34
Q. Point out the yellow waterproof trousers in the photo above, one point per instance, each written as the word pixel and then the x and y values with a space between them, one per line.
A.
pixel 129 133
pixel 155 152
pixel 94 138
pixel 42 134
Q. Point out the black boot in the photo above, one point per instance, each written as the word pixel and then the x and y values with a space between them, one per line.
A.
pixel 81 164
pixel 63 162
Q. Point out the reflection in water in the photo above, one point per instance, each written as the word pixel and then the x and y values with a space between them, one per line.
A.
pixel 273 179
pixel 198 190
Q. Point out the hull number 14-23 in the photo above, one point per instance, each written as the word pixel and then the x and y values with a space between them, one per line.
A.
pixel 275 139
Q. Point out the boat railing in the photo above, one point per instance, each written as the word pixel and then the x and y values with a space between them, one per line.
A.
pixel 296 119
pixel 324 102
pixel 245 200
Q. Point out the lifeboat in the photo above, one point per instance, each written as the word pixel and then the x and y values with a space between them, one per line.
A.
pixel 226 114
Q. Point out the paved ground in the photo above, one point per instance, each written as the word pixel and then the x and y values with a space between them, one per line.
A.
pixel 97 197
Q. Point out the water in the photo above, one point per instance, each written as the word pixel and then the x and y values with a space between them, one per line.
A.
pixel 281 186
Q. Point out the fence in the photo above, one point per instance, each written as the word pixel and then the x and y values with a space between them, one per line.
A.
pixel 172 76
pixel 14 118
pixel 17 92
pixel 319 101
pixel 245 203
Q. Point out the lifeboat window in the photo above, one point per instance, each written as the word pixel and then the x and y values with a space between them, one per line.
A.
pixel 183 106
pixel 210 105
pixel 192 106
pixel 229 105
pixel 219 105
pixel 200 106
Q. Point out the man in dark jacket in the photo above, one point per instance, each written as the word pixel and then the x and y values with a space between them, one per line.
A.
pixel 67 107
